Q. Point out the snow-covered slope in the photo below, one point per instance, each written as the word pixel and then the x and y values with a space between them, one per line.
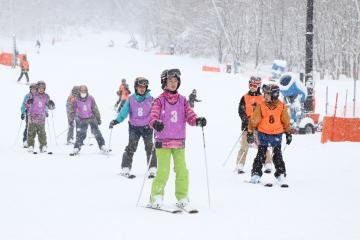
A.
pixel 55 197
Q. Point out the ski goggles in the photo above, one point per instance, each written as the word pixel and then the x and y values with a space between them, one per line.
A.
pixel 173 73
pixel 141 81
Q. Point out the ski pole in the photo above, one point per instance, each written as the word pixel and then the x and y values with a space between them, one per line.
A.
pixel 47 121
pixel 147 168
pixel 17 135
pixel 232 149
pixel 206 168
pixel 62 133
pixel 111 129
pixel 52 118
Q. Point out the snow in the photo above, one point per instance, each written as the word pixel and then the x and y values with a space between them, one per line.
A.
pixel 84 197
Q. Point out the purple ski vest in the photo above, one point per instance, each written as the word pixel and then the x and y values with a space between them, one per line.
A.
pixel 140 111
pixel 39 104
pixel 173 117
pixel 84 108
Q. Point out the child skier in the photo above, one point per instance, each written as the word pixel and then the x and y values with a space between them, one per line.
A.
pixel 24 115
pixel 87 114
pixel 138 106
pixel 37 107
pixel 24 65
pixel 193 99
pixel 123 94
pixel 271 119
pixel 71 113
pixel 169 114
pixel 247 106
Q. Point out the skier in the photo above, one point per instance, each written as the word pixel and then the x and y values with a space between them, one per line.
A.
pixel 169 114
pixel 37 46
pixel 138 106
pixel 37 106
pixel 271 119
pixel 247 106
pixel 123 94
pixel 24 65
pixel 24 115
pixel 172 49
pixel 193 99
pixel 87 114
pixel 71 113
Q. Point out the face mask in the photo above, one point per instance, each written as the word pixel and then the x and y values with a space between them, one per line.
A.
pixel 83 95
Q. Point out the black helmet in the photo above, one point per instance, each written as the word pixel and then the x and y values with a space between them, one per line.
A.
pixel 33 85
pixel 41 83
pixel 271 89
pixel 75 90
pixel 169 73
pixel 141 81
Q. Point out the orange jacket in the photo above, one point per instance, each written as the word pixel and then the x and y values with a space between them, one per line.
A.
pixel 124 92
pixel 24 65
pixel 270 118
pixel 251 102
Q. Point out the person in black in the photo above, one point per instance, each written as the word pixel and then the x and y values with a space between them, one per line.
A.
pixel 193 99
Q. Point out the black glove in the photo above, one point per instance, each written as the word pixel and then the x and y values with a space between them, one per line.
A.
pixel 22 116
pixel 99 122
pixel 288 138
pixel 158 126
pixel 113 123
pixel 46 114
pixel 51 105
pixel 250 138
pixel 201 122
pixel 30 101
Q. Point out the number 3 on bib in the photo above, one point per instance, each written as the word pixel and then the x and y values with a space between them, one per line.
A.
pixel 173 116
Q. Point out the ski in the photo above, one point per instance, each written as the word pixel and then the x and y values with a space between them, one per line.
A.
pixel 128 175
pixel 165 209
pixel 268 184
pixel 188 209
pixel 73 154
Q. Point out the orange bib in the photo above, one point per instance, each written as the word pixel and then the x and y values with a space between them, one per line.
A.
pixel 251 102
pixel 271 119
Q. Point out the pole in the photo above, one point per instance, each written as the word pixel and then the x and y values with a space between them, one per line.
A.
pixel 309 55
pixel 327 100
pixel 57 136
pixel 206 168
pixel 52 118
pixel 232 149
pixel 143 183
pixel 17 135
pixel 47 121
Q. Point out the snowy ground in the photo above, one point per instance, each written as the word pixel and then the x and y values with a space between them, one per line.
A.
pixel 55 197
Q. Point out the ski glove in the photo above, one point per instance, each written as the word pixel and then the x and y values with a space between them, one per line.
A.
pixel 99 122
pixel 51 105
pixel 288 138
pixel 158 125
pixel 201 122
pixel 30 101
pixel 22 116
pixel 46 114
pixel 113 123
pixel 250 138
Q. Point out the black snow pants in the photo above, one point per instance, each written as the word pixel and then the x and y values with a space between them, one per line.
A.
pixel 81 130
pixel 134 135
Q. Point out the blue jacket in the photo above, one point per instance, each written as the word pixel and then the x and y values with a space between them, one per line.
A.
pixel 125 110
pixel 23 108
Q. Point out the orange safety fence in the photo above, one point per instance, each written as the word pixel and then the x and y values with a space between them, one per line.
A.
pixel 314 116
pixel 336 129
pixel 210 69
pixel 6 59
